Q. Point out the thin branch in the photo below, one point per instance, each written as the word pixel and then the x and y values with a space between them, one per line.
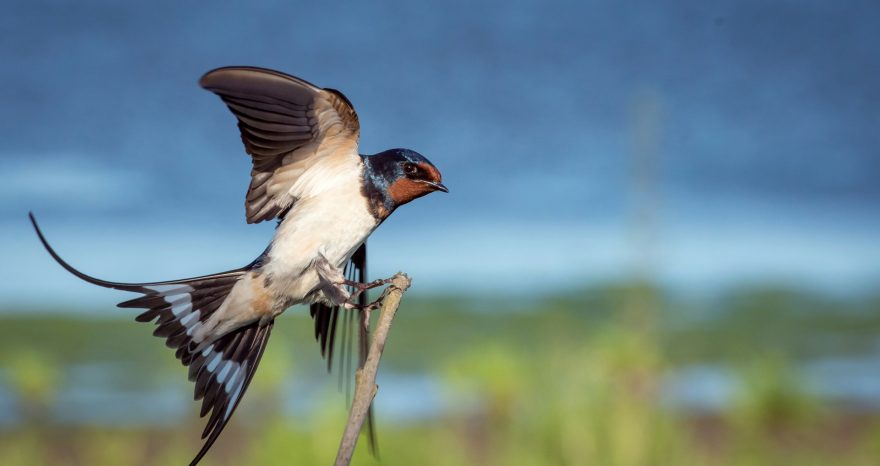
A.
pixel 365 378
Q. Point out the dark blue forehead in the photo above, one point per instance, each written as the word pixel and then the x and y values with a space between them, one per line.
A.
pixel 389 163
pixel 409 155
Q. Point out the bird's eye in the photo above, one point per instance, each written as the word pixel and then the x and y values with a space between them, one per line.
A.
pixel 410 169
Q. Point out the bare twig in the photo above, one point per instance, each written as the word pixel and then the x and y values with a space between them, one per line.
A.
pixel 365 377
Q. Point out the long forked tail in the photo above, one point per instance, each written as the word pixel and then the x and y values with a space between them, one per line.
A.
pixel 222 370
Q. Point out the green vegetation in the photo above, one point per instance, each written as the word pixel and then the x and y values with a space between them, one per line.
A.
pixel 566 380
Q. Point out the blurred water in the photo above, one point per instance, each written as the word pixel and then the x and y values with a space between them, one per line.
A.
pixel 101 394
pixel 764 156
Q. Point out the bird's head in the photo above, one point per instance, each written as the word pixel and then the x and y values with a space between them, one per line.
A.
pixel 404 175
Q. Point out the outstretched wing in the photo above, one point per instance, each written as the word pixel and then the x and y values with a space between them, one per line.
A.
pixel 327 323
pixel 221 371
pixel 287 124
pixel 225 370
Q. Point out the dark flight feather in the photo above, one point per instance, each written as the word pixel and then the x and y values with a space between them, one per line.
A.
pixel 223 369
pixel 326 323
pixel 282 120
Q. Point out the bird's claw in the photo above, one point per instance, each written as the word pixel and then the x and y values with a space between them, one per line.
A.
pixel 363 287
pixel 366 307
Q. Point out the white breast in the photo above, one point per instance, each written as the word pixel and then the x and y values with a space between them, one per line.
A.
pixel 332 221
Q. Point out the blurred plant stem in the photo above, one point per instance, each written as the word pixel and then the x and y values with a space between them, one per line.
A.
pixel 640 311
pixel 365 378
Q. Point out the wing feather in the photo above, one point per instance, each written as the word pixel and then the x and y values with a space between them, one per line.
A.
pixel 224 368
pixel 283 120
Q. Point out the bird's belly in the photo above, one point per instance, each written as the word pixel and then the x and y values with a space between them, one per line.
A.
pixel 331 227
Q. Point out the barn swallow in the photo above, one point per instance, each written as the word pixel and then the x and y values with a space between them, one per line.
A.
pixel 308 174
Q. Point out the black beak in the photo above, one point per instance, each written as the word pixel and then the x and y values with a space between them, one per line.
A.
pixel 440 187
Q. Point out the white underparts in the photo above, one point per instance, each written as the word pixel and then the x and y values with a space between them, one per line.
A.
pixel 328 221
pixel 325 228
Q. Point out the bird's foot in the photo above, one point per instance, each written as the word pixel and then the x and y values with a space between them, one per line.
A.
pixel 360 288
pixel 364 307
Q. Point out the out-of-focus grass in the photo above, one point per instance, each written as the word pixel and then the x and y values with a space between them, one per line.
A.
pixel 567 380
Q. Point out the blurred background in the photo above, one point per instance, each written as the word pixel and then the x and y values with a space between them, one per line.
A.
pixel 660 245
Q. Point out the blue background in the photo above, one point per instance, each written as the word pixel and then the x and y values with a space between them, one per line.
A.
pixel 703 143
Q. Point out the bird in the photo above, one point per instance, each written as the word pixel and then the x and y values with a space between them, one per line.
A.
pixel 327 198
